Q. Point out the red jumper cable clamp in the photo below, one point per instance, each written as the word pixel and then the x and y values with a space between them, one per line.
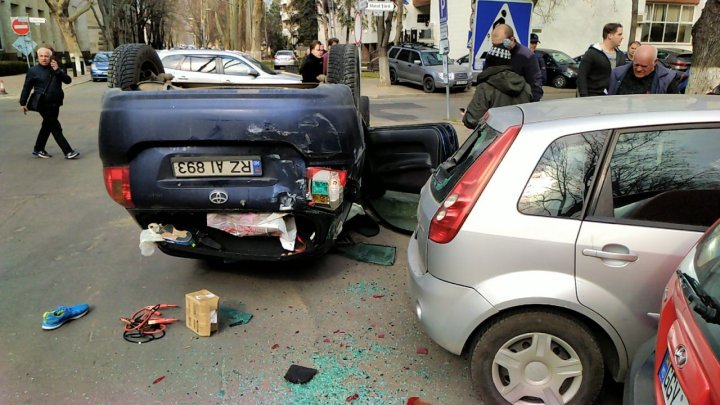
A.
pixel 146 324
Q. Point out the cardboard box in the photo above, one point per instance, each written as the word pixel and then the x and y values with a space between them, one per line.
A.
pixel 201 312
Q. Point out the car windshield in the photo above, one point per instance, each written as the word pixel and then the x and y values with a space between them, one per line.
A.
pixel 256 63
pixel 561 58
pixel 102 57
pixel 431 58
pixel 706 263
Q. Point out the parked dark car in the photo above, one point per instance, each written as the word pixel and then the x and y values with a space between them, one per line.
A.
pixel 681 365
pixel 675 58
pixel 561 69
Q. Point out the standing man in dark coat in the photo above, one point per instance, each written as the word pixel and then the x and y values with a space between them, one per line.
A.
pixel 534 41
pixel 599 60
pixel 47 74
pixel 312 66
pixel 645 75
pixel 498 86
pixel 522 60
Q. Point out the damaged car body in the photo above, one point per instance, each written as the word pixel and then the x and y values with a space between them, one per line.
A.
pixel 221 162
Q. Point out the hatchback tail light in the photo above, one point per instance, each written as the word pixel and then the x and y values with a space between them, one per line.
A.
pixel 117 183
pixel 678 65
pixel 457 205
pixel 326 186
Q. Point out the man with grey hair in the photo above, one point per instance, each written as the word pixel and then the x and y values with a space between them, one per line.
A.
pixel 645 75
pixel 47 77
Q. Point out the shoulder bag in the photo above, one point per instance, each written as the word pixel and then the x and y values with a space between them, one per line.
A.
pixel 37 98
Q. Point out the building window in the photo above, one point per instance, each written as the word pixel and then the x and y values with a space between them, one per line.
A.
pixel 667 23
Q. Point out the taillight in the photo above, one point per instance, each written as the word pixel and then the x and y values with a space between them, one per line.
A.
pixel 325 186
pixel 117 183
pixel 679 64
pixel 457 205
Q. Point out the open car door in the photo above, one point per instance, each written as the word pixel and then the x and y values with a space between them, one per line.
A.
pixel 400 160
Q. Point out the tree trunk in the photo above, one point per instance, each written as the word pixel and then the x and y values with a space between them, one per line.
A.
pixel 233 25
pixel 248 24
pixel 257 34
pixel 400 13
pixel 384 25
pixel 706 45
pixel 322 19
pixel 633 21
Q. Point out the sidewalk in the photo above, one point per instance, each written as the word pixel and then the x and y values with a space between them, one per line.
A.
pixel 14 84
pixel 371 87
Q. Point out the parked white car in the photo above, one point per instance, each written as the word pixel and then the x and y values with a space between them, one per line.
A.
pixel 209 66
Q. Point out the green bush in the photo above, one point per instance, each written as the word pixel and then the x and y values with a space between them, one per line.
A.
pixel 11 68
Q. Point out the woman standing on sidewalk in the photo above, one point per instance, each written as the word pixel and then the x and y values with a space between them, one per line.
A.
pixel 47 77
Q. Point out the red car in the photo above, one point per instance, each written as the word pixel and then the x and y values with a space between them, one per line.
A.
pixel 682 364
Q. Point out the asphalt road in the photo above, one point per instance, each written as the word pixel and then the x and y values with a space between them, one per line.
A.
pixel 64 242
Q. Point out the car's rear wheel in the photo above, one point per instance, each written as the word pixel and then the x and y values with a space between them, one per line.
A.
pixel 343 68
pixel 559 81
pixel 429 85
pixel 536 357
pixel 133 63
pixel 393 76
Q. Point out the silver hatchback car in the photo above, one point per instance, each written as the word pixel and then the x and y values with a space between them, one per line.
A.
pixel 543 245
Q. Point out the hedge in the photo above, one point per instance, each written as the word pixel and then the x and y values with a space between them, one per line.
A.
pixel 11 68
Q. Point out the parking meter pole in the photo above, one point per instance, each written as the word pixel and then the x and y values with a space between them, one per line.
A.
pixel 447 87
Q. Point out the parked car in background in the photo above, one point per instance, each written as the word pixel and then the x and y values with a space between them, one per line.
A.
pixel 561 69
pixel 544 242
pixel 423 65
pixel 99 66
pixel 674 58
pixel 681 365
pixel 284 59
pixel 578 59
pixel 465 62
pixel 209 66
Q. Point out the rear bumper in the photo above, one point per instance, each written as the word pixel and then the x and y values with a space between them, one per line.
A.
pixel 448 313
pixel 640 380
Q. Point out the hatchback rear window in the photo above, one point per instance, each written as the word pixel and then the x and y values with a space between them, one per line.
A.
pixel 450 171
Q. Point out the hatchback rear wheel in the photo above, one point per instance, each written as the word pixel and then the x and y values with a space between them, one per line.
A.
pixel 559 81
pixel 537 357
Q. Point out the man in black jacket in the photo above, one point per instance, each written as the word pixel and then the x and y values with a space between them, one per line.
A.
pixel 522 60
pixel 47 77
pixel 599 60
pixel 312 68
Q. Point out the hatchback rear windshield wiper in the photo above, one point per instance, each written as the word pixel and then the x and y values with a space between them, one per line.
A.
pixel 700 301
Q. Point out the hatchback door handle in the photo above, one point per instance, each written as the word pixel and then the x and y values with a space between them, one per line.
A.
pixel 626 257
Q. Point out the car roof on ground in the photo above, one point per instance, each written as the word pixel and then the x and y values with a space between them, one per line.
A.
pixel 632 105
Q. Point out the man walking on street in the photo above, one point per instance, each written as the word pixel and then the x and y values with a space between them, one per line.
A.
pixel 645 75
pixel 522 60
pixel 47 77
pixel 599 60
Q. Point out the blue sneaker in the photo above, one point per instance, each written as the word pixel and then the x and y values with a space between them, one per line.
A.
pixel 60 315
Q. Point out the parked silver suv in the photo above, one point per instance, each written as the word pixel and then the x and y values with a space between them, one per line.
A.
pixel 543 245
pixel 423 65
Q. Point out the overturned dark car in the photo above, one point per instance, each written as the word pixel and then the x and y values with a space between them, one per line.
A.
pixel 253 172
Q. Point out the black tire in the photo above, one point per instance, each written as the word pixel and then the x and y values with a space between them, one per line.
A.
pixel 559 81
pixel 429 85
pixel 365 109
pixel 569 345
pixel 343 69
pixel 133 63
pixel 393 76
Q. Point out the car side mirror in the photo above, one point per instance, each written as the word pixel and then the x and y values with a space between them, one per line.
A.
pixel 253 73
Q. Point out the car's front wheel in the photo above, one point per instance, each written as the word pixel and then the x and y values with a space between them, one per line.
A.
pixel 429 85
pixel 559 82
pixel 536 357
pixel 393 76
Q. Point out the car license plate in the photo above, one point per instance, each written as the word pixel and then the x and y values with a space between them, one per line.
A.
pixel 673 393
pixel 217 166
pixel 461 82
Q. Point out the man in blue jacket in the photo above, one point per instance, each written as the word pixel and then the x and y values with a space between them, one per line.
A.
pixel 47 77
pixel 645 75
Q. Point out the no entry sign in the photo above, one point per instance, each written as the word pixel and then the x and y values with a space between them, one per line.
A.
pixel 20 26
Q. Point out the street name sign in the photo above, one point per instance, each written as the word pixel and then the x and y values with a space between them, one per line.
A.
pixel 380 6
